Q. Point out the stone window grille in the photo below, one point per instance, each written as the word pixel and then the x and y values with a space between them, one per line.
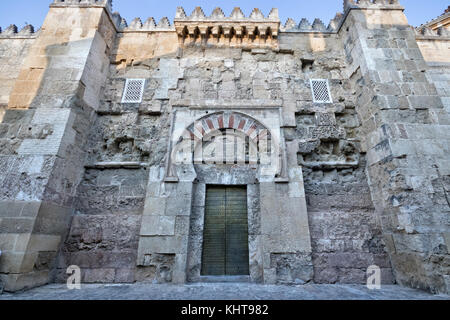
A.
pixel 134 90
pixel 321 91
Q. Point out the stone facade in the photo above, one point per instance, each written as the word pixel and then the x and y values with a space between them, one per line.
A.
pixel 118 188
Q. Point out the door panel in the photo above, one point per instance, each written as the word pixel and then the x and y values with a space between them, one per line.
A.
pixel 236 231
pixel 225 242
pixel 213 260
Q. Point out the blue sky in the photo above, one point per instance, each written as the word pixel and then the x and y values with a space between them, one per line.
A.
pixel 20 12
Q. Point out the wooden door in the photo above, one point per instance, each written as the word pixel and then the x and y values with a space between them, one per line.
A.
pixel 225 235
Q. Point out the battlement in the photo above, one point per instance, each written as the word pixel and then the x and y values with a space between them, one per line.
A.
pixel 254 30
pixel 150 25
pixel 316 26
pixel 256 26
pixel 218 15
pixel 13 32
pixel 428 33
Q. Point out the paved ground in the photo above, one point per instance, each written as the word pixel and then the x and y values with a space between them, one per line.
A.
pixel 221 291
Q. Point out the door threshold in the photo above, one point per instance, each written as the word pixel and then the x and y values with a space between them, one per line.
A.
pixel 218 279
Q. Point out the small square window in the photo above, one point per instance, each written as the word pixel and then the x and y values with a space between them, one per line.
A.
pixel 320 91
pixel 134 90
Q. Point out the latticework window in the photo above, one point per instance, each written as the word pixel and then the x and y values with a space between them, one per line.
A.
pixel 134 89
pixel 320 91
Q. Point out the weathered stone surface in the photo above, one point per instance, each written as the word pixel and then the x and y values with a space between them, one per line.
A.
pixel 221 291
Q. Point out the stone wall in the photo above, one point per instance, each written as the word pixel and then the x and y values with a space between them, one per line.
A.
pixel 124 141
pixel 44 131
pixel 326 136
pixel 362 180
pixel 435 49
pixel 111 195
pixel 14 48
pixel 404 129
pixel 345 232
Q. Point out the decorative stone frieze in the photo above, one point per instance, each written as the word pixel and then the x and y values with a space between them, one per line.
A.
pixel 236 30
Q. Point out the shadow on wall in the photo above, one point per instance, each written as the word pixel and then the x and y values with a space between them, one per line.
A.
pixel 2 112
pixel 47 123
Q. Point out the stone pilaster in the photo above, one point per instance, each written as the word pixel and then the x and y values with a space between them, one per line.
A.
pixel 163 239
pixel 49 113
pixel 406 134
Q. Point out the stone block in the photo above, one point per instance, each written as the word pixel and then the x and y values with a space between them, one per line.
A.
pixel 30 209
pixel 17 262
pixel 325 119
pixel 446 237
pixel 179 275
pixel 125 276
pixel 98 275
pixel 7 241
pixel 146 274
pixel 10 209
pixel 446 290
pixel 155 206
pixel 158 226
pixel 24 281
pixel 178 206
pixel 182 225
pixel 162 244
pixel 16 225
pixel 52 219
pixel 22 242
pixel 270 276
pixel 42 242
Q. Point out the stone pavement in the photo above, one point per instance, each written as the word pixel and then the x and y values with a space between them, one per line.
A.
pixel 221 291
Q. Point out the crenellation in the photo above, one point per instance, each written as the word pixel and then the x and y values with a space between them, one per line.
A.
pixel 149 25
pixel 289 25
pixel 318 25
pixel 237 30
pixel 336 22
pixel 426 32
pixel 304 25
pixel 123 24
pixel 11 30
pixel 257 14
pixel 181 14
pixel 197 14
pixel 237 14
pixel 136 24
pixel 27 30
pixel 117 19
pixel 164 24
